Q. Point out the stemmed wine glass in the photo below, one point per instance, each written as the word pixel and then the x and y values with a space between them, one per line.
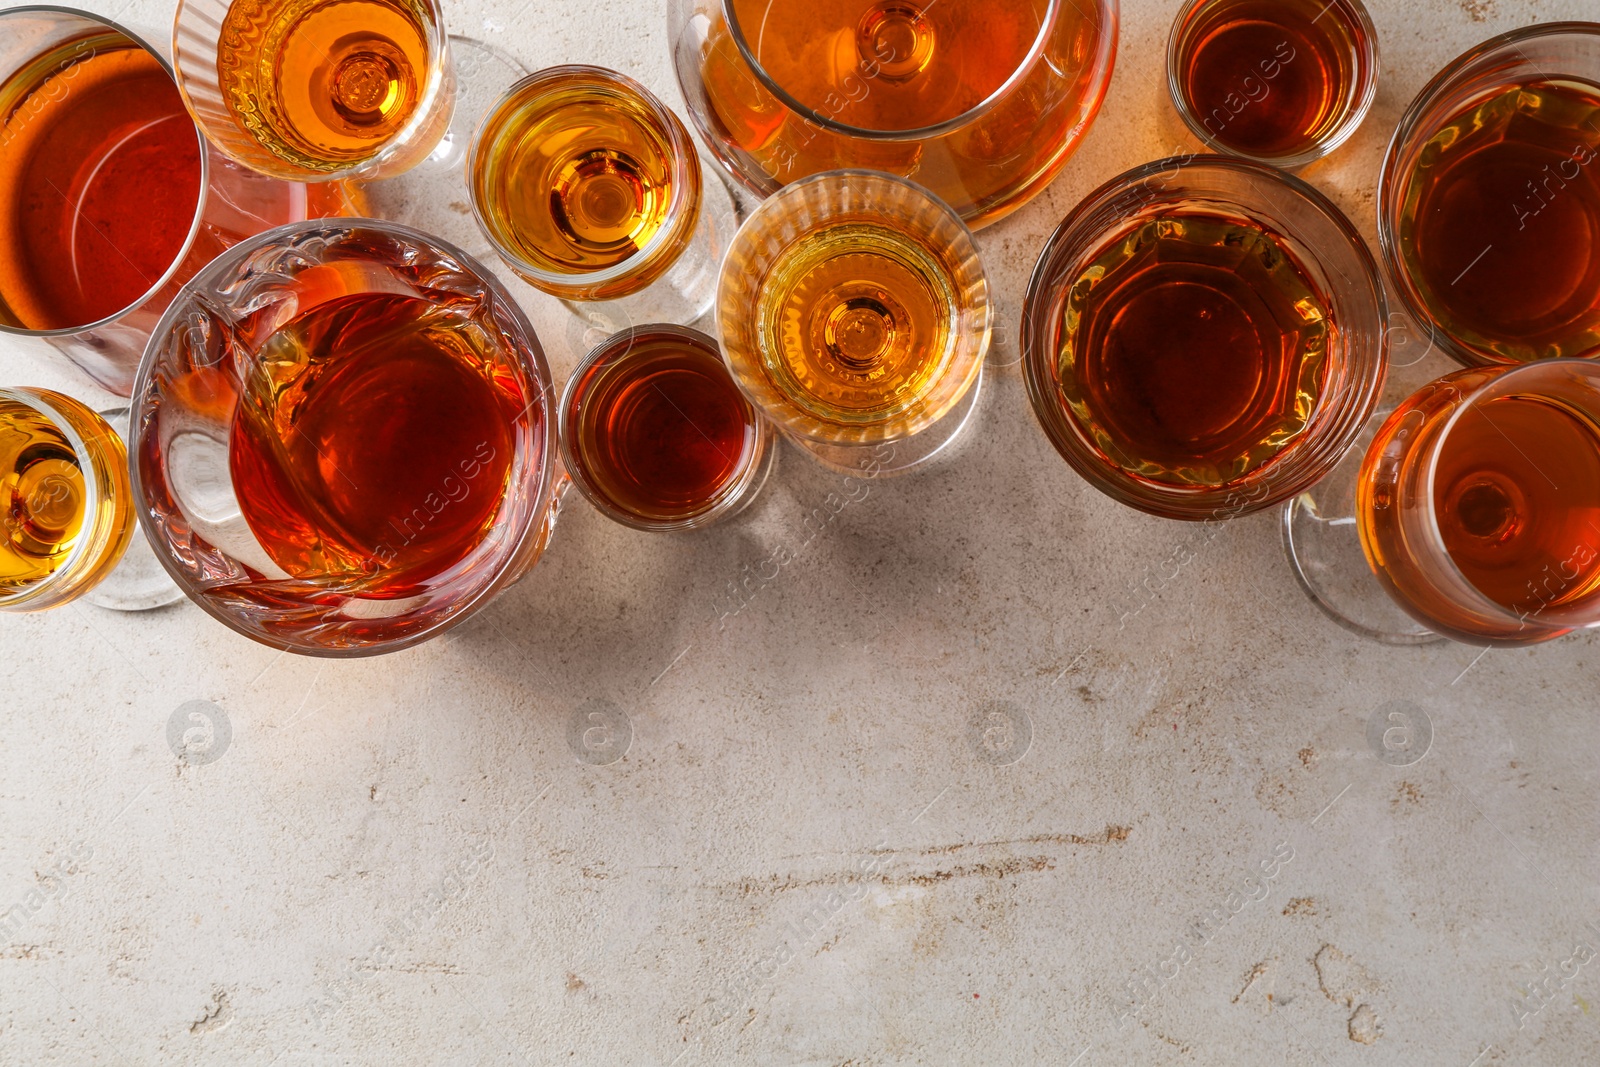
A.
pixel 319 90
pixel 1478 507
pixel 1489 195
pixel 591 190
pixel 854 313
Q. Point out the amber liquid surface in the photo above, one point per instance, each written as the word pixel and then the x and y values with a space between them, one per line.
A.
pixel 1193 348
pixel 663 431
pixel 931 62
pixel 99 181
pixel 1517 498
pixel 1271 78
pixel 855 321
pixel 896 65
pixel 373 442
pixel 324 84
pixel 1499 227
pixel 42 491
pixel 579 175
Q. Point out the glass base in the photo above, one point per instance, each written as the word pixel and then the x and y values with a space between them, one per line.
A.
pixel 139 582
pixel 687 293
pixel 434 196
pixel 1323 544
pixel 889 458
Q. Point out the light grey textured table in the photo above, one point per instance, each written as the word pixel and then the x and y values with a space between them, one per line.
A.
pixel 807 853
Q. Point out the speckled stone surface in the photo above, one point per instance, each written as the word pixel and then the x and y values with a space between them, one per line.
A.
pixel 819 845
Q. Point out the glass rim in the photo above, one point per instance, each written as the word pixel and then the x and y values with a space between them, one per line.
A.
pixel 200 200
pixel 736 492
pixel 654 256
pixel 506 570
pixel 1015 78
pixel 1360 104
pixel 38 401
pixel 1505 381
pixel 1364 370
pixel 1406 130
pixel 422 116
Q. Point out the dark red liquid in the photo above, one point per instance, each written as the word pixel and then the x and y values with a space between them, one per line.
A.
pixel 1270 77
pixel 372 442
pixel 1199 349
pixel 1502 226
pixel 1517 495
pixel 661 431
pixel 99 181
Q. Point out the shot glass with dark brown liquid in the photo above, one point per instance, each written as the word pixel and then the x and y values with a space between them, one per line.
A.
pixel 656 434
pixel 1282 82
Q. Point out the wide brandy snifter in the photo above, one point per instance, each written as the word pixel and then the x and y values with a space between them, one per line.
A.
pixel 344 438
pixel 1203 337
pixel 980 101
pixel 110 198
pixel 855 314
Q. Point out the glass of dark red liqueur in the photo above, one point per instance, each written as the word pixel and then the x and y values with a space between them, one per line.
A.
pixel 1489 200
pixel 656 434
pixel 1204 337
pixel 1280 81
pixel 342 438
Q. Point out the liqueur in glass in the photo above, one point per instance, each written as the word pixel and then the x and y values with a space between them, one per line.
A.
pixel 1279 81
pixel 343 441
pixel 657 435
pixel 854 311
pixel 1489 200
pixel 317 89
pixel 1479 503
pixel 1203 337
pixel 590 188
pixel 981 101
pixel 65 502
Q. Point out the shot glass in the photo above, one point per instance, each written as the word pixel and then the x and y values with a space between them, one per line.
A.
pixel 1283 82
pixel 656 434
